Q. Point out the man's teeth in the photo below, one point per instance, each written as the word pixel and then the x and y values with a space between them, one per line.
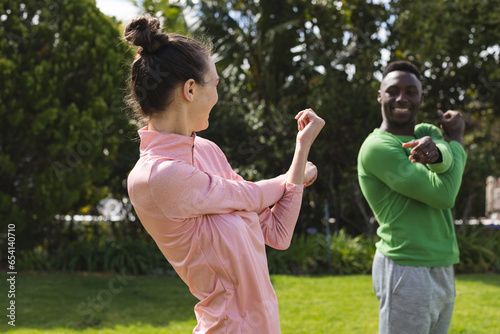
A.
pixel 401 109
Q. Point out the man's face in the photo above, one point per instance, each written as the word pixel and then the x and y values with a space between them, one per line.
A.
pixel 400 95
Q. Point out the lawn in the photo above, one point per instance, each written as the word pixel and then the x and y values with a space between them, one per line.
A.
pixel 120 304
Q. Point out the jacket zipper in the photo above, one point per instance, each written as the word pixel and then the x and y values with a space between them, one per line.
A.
pixel 192 153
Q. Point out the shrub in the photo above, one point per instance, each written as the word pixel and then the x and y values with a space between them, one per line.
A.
pixel 479 249
pixel 307 254
pixel 351 255
pixel 96 249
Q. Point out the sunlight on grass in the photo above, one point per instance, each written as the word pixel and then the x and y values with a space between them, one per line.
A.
pixel 477 304
pixel 139 328
pixel 338 304
pixel 121 304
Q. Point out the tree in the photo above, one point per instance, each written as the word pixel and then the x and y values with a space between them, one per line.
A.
pixel 277 58
pixel 62 65
pixel 457 48
pixel 170 13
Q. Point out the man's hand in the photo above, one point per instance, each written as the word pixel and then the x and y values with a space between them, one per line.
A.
pixel 453 125
pixel 424 150
pixel 310 174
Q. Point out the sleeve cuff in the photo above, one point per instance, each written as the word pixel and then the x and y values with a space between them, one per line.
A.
pixel 447 163
pixel 296 188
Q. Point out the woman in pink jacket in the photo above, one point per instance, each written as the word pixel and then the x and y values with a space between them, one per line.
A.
pixel 211 225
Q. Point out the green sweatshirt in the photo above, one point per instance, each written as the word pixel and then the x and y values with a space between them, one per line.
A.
pixel 411 201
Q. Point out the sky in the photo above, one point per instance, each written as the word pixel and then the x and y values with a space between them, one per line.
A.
pixel 123 10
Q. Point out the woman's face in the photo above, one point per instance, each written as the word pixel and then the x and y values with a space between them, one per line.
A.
pixel 205 98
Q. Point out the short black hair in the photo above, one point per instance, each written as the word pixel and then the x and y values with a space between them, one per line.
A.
pixel 401 65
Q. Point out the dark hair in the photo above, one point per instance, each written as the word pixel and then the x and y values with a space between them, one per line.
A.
pixel 401 65
pixel 163 62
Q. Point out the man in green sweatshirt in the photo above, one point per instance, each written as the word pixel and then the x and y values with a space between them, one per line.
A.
pixel 410 176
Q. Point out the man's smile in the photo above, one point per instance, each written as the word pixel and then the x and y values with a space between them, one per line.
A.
pixel 401 109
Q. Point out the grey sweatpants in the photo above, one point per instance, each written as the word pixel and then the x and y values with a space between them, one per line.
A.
pixel 413 300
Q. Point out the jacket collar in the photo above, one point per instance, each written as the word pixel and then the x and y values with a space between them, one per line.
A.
pixel 167 145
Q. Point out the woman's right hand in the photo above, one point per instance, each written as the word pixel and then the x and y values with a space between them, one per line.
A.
pixel 309 125
pixel 310 174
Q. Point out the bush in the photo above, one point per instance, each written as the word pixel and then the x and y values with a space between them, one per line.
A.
pixel 96 249
pixel 99 248
pixel 351 255
pixel 308 255
pixel 479 249
pixel 479 253
pixel 64 136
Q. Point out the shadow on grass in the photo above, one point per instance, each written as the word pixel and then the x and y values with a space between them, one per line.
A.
pixel 149 304
pixel 81 301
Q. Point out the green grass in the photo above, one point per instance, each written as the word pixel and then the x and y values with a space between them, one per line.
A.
pixel 107 304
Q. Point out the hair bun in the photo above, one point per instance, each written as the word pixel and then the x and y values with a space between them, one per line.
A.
pixel 142 32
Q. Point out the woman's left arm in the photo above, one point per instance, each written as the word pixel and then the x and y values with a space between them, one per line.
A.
pixel 278 223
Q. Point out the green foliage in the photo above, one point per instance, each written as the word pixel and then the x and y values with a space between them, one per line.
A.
pixel 277 58
pixel 479 249
pixel 170 13
pixel 97 249
pixel 351 255
pixel 62 65
pixel 456 46
pixel 65 142
pixel 307 255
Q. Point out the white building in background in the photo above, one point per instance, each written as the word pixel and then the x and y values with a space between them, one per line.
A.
pixel 492 196
pixel 110 210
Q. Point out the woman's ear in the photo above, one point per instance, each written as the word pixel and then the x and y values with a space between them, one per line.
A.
pixel 379 97
pixel 188 90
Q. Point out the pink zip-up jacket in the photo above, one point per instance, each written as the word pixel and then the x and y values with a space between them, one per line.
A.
pixel 212 226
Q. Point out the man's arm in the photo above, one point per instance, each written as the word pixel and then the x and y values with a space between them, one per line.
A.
pixel 387 160
pixel 430 147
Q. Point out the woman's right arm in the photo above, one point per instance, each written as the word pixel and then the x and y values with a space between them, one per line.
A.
pixel 182 191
